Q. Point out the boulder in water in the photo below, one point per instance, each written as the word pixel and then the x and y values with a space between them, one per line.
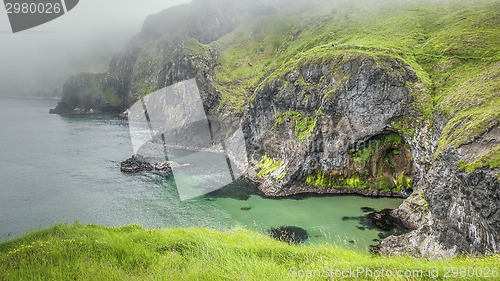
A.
pixel 138 163
pixel 387 222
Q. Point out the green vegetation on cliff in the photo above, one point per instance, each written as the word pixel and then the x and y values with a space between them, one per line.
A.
pixel 327 180
pixel 270 166
pixel 144 88
pixel 453 46
pixel 302 125
pixel 89 89
pixel 491 159
pixel 90 252
pixel 365 154
pixel 381 164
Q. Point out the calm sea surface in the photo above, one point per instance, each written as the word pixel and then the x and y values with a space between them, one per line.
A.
pixel 57 169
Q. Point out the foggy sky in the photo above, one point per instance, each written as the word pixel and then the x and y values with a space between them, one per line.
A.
pixel 84 39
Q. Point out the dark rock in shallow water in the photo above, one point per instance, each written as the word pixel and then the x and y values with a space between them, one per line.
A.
pixel 241 190
pixel 383 219
pixel 387 222
pixel 289 234
pixel 367 210
pixel 137 164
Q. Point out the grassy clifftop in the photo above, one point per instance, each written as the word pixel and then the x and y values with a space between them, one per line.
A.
pixel 453 46
pixel 71 252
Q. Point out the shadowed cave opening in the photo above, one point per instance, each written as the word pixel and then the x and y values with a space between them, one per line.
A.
pixel 382 163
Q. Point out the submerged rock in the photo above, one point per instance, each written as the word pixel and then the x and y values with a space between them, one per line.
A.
pixel 241 190
pixel 289 234
pixel 387 222
pixel 367 210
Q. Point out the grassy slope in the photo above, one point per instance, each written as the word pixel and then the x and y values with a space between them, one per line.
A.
pixel 80 251
pixel 453 46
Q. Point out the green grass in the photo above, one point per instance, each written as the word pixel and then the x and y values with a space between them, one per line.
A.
pixel 245 57
pixel 195 47
pixel 472 106
pixel 364 155
pixel 90 252
pixel 491 160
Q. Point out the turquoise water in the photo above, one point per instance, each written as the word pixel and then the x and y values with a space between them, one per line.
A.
pixel 61 169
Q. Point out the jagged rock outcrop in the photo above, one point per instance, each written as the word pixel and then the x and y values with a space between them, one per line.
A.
pixel 454 212
pixel 138 163
pixel 154 60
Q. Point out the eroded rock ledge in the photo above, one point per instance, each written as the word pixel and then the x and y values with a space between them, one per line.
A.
pixel 301 190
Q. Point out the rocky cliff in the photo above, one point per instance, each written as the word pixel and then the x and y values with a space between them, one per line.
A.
pixel 331 132
pixel 154 58
pixel 379 99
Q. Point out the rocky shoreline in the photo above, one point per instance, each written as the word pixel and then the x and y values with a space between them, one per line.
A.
pixel 304 190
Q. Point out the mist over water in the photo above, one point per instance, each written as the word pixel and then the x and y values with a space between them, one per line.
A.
pixel 61 169
pixel 39 60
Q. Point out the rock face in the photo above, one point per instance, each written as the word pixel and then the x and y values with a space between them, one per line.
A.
pixel 455 212
pixel 337 135
pixel 350 120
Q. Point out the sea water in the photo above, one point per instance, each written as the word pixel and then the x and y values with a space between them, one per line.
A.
pixel 56 169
